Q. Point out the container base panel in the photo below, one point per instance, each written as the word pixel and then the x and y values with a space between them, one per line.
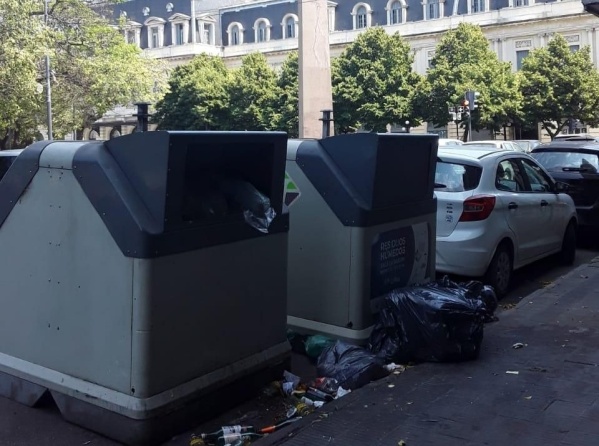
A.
pixel 149 431
pixel 306 326
pixel 20 390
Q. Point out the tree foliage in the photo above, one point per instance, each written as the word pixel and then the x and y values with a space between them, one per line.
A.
pixel 198 96
pixel 463 61
pixel 288 103
pixel 93 69
pixel 558 84
pixel 373 82
pixel 253 94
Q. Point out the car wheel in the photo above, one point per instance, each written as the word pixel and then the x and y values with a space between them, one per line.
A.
pixel 568 252
pixel 499 274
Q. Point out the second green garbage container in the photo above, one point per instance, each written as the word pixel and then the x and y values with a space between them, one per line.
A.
pixel 363 217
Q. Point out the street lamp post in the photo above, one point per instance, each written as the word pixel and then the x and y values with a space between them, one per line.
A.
pixel 48 82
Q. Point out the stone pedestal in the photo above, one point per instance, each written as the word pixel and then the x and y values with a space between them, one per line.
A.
pixel 315 91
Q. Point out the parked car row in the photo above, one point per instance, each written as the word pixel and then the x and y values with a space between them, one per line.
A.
pixel 523 145
pixel 499 209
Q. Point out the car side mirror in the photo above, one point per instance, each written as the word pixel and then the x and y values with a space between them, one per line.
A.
pixel 561 187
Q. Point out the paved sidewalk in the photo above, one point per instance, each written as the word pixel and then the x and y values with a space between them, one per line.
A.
pixel 552 400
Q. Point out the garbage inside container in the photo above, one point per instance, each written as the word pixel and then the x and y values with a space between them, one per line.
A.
pixel 257 211
pixel 438 322
pixel 210 195
pixel 352 366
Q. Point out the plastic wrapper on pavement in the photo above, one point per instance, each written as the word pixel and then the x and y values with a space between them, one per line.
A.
pixel 352 366
pixel 438 322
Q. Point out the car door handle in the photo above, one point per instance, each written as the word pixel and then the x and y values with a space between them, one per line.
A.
pixel 512 205
pixel 544 203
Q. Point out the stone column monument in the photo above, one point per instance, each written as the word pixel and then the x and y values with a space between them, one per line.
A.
pixel 315 91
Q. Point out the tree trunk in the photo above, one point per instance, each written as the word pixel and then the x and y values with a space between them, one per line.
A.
pixel 553 134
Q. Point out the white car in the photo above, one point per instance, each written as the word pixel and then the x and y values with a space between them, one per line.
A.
pixel 498 211
pixel 444 142
pixel 497 144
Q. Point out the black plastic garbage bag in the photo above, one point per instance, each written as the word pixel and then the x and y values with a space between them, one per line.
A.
pixel 352 366
pixel 475 290
pixel 438 322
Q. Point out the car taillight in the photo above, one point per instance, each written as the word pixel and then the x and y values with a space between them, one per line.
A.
pixel 478 208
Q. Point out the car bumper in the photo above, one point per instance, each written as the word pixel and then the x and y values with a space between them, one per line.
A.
pixel 465 252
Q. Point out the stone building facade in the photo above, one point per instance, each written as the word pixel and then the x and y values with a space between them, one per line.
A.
pixel 177 30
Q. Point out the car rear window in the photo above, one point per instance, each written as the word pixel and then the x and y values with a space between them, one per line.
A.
pixel 568 161
pixel 455 177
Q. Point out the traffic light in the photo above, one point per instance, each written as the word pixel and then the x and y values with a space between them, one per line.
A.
pixel 472 99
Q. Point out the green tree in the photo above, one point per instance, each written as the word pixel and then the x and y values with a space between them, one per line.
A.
pixel 373 82
pixel 288 103
pixel 93 69
pixel 558 85
pixel 253 95
pixel 23 39
pixel 463 61
pixel 198 96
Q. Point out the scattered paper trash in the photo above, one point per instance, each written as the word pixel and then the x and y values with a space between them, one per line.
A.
pixel 401 443
pixel 341 392
pixel 395 368
pixel 391 386
pixel 519 345
pixel 528 397
pixel 512 372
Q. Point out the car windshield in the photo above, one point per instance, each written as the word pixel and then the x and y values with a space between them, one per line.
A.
pixel 482 144
pixel 523 145
pixel 568 161
pixel 455 177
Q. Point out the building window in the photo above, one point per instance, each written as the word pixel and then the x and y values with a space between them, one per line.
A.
pixel 179 37
pixel 433 9
pixel 362 16
pixel 262 30
pixel 477 6
pixel 574 48
pixel 520 56
pixel 290 26
pixel 235 33
pixel 131 38
pixel 395 13
pixel 429 58
pixel 155 32
pixel 155 39
pixel 518 3
pixel 208 33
